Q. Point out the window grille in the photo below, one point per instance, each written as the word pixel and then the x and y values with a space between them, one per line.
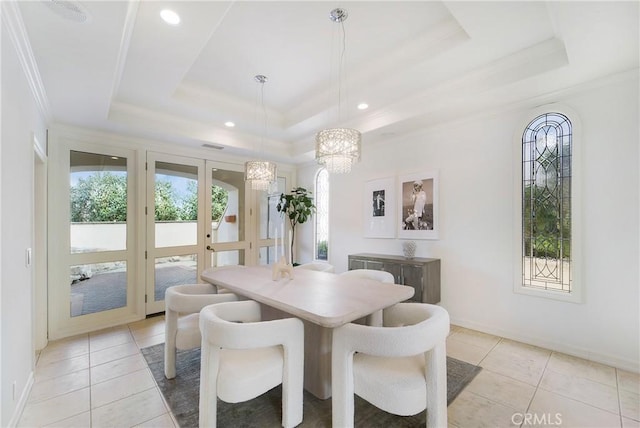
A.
pixel 322 215
pixel 546 203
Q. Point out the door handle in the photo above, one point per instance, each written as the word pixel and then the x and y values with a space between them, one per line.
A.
pixel 209 248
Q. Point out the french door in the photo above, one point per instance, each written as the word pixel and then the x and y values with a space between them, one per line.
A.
pixel 174 226
pixel 199 214
pixel 240 223
pixel 124 224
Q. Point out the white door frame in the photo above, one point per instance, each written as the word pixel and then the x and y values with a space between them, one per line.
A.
pixel 61 324
pixel 39 252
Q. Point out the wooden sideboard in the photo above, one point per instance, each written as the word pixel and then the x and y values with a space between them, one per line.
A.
pixel 422 274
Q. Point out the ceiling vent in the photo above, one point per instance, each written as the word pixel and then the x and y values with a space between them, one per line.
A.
pixel 212 146
pixel 71 10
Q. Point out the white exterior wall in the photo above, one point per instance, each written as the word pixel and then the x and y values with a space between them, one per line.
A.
pixel 110 236
pixel 477 175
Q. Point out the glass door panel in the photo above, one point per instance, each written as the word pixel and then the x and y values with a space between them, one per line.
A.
pixel 174 224
pixel 174 270
pixel 227 211
pixel 270 223
pixel 227 258
pixel 175 204
pixel 98 214
pixel 98 202
pixel 98 287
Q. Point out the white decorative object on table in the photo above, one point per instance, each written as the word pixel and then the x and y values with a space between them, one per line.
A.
pixel 409 249
pixel 281 269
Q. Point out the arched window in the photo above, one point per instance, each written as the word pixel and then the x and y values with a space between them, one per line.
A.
pixel 321 239
pixel 546 191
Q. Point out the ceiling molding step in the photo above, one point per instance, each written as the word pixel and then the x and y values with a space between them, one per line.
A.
pixel 59 131
pixel 383 69
pixel 192 94
pixel 129 25
pixel 177 129
pixel 12 19
pixel 455 97
pixel 458 118
pixel 540 58
pixel 170 52
pixel 303 149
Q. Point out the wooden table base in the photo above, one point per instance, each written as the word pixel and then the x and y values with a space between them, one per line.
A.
pixel 317 353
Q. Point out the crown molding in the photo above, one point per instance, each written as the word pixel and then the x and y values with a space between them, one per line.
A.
pixel 12 19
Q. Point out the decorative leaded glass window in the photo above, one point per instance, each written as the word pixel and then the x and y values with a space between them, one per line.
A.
pixel 321 243
pixel 546 203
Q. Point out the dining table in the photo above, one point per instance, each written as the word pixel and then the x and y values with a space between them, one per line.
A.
pixel 322 300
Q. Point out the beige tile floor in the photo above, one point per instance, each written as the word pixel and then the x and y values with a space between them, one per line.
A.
pixel 101 380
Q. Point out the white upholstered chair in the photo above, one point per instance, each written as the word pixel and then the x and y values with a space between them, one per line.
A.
pixel 182 311
pixel 319 266
pixel 243 357
pixel 375 319
pixel 400 368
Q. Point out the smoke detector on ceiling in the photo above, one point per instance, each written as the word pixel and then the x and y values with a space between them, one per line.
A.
pixel 71 10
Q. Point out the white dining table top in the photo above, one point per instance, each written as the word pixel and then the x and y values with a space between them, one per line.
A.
pixel 327 299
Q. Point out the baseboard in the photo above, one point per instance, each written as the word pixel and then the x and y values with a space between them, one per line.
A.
pixel 587 354
pixel 17 412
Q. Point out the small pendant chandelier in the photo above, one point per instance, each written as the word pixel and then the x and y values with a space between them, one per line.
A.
pixel 260 173
pixel 337 149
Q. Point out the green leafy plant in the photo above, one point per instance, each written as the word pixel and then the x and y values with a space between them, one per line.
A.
pixel 298 207
pixel 189 208
pixel 100 197
pixel 322 250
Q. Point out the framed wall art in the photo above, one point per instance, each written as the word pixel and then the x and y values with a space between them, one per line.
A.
pixel 418 206
pixel 379 212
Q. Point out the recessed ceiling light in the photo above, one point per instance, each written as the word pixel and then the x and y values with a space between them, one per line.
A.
pixel 170 17
pixel 363 106
pixel 229 124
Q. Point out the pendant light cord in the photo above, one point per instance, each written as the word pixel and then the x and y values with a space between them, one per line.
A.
pixel 262 80
pixel 264 115
pixel 341 68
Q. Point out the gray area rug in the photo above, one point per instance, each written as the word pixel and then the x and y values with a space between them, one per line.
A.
pixel 182 394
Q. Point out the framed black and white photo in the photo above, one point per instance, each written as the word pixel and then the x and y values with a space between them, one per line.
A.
pixel 379 203
pixel 418 206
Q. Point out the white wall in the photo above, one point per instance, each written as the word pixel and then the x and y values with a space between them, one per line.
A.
pixel 20 117
pixel 476 165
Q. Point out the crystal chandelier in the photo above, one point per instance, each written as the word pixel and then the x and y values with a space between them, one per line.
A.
pixel 260 173
pixel 338 148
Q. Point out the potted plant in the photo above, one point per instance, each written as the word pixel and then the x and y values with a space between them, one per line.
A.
pixel 298 207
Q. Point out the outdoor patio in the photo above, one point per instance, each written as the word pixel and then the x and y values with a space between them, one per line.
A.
pixel 108 290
